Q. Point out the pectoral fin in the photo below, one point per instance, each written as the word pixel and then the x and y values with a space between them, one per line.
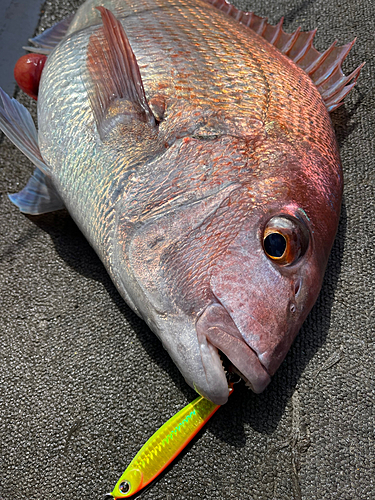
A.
pixel 117 93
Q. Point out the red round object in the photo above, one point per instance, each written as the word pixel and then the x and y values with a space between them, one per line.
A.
pixel 28 71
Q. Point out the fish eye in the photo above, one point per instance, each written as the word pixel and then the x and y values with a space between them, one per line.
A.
pixel 275 245
pixel 285 240
pixel 124 487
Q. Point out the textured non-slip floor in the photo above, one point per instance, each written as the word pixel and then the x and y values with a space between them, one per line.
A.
pixel 83 382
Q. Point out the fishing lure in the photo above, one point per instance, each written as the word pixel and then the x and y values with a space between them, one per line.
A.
pixel 164 446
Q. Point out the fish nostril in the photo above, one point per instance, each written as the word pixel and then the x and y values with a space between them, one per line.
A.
pixel 297 286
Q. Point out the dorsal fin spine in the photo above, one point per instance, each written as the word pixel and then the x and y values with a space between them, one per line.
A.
pixel 262 27
pixel 276 36
pixel 291 42
pixel 337 98
pixel 258 23
pixel 324 69
pixel 331 92
pixel 306 47
pixel 335 65
pixel 310 70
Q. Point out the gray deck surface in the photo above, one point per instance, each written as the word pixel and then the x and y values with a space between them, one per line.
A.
pixel 83 382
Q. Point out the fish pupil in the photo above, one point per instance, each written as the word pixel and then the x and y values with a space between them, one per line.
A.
pixel 275 245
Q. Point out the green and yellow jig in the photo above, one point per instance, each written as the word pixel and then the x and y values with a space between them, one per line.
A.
pixel 164 446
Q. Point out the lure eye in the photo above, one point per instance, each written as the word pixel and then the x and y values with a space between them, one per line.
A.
pixel 124 487
pixel 285 240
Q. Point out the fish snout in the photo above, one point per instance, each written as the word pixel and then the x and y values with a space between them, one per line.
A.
pixel 261 305
pixel 272 357
pixel 215 327
pixel 270 344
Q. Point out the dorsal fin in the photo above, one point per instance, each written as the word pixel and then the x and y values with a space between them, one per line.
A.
pixel 115 76
pixel 47 41
pixel 324 68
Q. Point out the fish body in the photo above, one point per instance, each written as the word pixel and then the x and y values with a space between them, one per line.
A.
pixel 210 188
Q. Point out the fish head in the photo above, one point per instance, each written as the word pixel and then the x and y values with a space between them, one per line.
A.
pixel 229 251
pixel 263 288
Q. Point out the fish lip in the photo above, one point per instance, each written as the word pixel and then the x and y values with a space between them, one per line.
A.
pixel 215 385
pixel 213 326
pixel 254 373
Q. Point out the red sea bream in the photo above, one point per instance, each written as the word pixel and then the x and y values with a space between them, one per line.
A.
pixel 192 144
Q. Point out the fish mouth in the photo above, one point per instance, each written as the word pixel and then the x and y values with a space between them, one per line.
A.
pixel 217 331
